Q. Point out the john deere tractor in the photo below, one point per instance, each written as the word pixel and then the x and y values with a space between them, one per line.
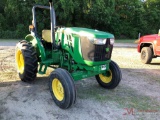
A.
pixel 74 53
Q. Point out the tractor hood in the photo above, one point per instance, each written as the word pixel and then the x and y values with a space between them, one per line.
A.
pixel 87 32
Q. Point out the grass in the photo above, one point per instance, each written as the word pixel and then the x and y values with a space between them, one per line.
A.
pixel 10 76
pixel 125 40
pixel 2 40
pixel 124 96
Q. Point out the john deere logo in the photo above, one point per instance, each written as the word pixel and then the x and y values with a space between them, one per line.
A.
pixel 107 49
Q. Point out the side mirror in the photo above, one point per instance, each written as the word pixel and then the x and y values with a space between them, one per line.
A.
pixel 139 35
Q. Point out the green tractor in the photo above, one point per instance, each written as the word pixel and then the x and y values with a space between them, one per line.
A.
pixel 74 53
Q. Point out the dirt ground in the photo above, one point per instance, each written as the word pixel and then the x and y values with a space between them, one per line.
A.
pixel 136 98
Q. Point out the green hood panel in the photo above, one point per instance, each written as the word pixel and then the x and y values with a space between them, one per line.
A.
pixel 87 32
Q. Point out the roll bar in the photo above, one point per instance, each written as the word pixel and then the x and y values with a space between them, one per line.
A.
pixel 52 17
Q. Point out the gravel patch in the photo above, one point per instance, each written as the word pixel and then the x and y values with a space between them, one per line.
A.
pixel 136 97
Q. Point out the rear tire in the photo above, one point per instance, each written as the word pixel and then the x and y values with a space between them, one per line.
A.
pixel 112 78
pixel 146 55
pixel 26 61
pixel 62 88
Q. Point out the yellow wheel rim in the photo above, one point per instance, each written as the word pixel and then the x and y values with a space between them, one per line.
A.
pixel 57 89
pixel 20 61
pixel 106 79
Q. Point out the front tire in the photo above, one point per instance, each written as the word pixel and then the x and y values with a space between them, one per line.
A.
pixel 146 55
pixel 62 88
pixel 26 61
pixel 111 78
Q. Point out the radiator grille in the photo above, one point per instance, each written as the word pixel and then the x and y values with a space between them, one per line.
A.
pixel 94 52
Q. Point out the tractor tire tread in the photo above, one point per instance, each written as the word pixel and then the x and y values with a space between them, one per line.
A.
pixel 116 77
pixel 30 61
pixel 69 87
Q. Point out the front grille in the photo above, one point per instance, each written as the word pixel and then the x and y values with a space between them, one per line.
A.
pixel 100 52
pixel 94 52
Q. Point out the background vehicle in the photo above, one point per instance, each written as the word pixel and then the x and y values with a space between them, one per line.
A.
pixel 149 47
pixel 73 53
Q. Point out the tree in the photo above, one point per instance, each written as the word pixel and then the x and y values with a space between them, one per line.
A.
pixel 152 13
pixel 123 18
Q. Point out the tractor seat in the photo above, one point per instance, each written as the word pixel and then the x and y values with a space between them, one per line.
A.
pixel 46 35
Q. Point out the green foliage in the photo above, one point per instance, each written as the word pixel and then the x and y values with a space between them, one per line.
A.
pixel 123 18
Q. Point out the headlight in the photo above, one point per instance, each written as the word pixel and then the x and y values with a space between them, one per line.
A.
pixel 98 41
pixel 112 41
